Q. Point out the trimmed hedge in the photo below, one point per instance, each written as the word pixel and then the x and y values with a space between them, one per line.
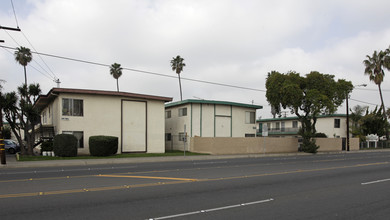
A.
pixel 101 145
pixel 65 145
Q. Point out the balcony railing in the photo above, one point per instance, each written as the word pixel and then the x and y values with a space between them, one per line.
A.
pixel 281 131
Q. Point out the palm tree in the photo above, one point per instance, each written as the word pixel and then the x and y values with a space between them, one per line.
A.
pixel 177 65
pixel 23 56
pixel 116 72
pixel 374 69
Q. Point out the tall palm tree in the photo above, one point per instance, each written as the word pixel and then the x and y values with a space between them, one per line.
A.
pixel 23 56
pixel 374 69
pixel 178 65
pixel 116 72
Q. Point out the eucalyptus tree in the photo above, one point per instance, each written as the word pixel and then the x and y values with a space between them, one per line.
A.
pixel 23 56
pixel 306 97
pixel 116 72
pixel 177 65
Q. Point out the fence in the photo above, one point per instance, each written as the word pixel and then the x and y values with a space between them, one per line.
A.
pixel 371 145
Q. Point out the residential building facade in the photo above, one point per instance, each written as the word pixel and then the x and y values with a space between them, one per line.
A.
pixel 207 118
pixel 334 126
pixel 136 119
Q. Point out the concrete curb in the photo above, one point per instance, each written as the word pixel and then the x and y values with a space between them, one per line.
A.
pixel 12 163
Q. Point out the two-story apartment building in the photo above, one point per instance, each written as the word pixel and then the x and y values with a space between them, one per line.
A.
pixel 136 119
pixel 207 118
pixel 334 126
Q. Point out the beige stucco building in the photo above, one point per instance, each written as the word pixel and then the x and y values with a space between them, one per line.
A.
pixel 136 119
pixel 334 126
pixel 206 118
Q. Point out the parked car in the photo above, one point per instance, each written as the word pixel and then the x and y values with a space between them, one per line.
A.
pixel 11 146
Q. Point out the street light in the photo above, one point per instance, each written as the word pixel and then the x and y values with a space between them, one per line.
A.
pixel 364 85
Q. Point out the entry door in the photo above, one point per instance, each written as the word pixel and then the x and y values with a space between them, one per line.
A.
pixel 222 126
pixel 133 126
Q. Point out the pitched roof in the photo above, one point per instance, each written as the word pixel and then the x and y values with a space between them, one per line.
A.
pixel 202 101
pixel 44 100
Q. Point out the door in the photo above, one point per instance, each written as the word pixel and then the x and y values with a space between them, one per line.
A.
pixel 133 126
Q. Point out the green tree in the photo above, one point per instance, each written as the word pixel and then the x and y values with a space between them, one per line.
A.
pixel 21 114
pixel 23 56
pixel 374 123
pixel 177 65
pixel 116 72
pixel 357 113
pixel 306 97
pixel 374 66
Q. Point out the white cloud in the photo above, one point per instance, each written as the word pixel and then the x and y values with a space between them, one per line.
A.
pixel 230 42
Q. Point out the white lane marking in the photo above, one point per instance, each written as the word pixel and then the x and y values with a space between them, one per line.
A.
pixel 376 181
pixel 212 210
pixel 212 162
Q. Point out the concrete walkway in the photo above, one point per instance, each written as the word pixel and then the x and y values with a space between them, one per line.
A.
pixel 11 161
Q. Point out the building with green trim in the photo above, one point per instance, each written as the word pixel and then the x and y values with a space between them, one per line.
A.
pixel 207 118
pixel 333 125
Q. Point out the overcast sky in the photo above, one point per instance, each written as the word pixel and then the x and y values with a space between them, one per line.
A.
pixel 222 41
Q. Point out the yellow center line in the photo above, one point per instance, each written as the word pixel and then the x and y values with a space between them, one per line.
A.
pixel 149 177
pixel 178 181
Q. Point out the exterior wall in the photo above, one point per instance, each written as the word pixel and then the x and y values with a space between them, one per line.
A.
pixel 207 120
pixel 263 145
pixel 240 127
pixel 324 125
pixel 102 116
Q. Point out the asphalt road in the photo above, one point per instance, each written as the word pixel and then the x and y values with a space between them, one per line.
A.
pixel 330 186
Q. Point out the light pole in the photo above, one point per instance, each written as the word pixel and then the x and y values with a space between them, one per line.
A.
pixel 364 85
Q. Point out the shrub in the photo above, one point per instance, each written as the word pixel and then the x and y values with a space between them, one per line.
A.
pixel 103 145
pixel 320 135
pixel 65 145
pixel 47 146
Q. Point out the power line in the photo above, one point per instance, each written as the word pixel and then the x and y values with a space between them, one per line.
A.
pixel 143 71
pixel 13 8
pixel 363 102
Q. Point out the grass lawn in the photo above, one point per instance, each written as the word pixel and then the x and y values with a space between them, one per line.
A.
pixel 166 154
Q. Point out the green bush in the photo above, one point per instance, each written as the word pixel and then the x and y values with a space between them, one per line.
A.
pixel 65 145
pixel 103 145
pixel 47 146
pixel 320 135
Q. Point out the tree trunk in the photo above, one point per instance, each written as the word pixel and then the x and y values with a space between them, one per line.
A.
pixel 25 76
pixel 117 85
pixel 181 96
pixel 383 104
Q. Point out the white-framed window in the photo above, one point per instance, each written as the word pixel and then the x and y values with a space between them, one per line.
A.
pixel 182 136
pixel 277 125
pixel 168 114
pixel 250 117
pixel 182 112
pixel 295 124
pixel 79 136
pixel 72 107
pixel 336 123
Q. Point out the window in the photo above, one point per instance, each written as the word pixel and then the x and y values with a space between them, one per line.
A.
pixel 295 124
pixel 337 123
pixel 44 117
pixel 250 135
pixel 277 125
pixel 182 136
pixel 168 114
pixel 168 137
pixel 250 117
pixel 79 136
pixel 269 126
pixel 182 112
pixel 72 107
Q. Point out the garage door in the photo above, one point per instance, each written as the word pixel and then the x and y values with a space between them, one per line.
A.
pixel 133 126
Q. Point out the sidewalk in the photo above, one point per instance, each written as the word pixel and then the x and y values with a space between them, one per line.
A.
pixel 12 163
